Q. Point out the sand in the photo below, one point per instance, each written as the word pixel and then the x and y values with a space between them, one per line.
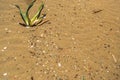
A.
pixel 81 39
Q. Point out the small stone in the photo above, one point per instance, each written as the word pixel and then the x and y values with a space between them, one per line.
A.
pixel 59 64
pixel 41 35
pixel 15 58
pixel 37 40
pixel 31 46
pixel 5 48
pixel 44 51
pixel 73 38
pixel 5 74
pixel 45 72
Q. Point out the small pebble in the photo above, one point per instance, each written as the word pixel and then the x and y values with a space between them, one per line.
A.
pixel 59 64
pixel 44 51
pixel 5 48
pixel 37 40
pixel 42 35
pixel 31 46
pixel 5 74
pixel 73 38
pixel 48 9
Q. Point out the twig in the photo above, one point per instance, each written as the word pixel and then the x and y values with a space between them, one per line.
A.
pixel 115 60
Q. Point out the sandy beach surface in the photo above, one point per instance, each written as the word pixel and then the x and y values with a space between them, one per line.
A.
pixel 80 39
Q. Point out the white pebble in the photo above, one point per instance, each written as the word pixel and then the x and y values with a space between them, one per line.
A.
pixel 42 35
pixel 44 51
pixel 5 48
pixel 37 40
pixel 73 38
pixel 31 46
pixel 5 74
pixel 59 64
